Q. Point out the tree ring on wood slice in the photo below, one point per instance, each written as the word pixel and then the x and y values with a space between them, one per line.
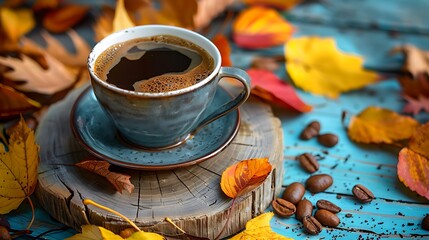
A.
pixel 190 196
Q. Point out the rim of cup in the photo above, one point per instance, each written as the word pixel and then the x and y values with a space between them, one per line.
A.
pixel 153 30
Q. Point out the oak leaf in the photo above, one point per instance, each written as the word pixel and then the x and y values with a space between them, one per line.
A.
pixel 244 176
pixel 56 49
pixel 29 76
pixel 18 168
pixel 260 27
pixel 413 171
pixel 378 125
pixel 222 44
pixel 119 180
pixel 13 103
pixel 317 66
pixel 259 228
pixel 269 87
pixel 280 4
pixel 63 18
pixel 92 232
pixel 16 22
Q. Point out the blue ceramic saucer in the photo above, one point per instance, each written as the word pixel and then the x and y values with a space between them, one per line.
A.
pixel 97 134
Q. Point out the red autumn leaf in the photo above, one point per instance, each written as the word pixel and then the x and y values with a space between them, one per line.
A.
pixel 244 176
pixel 268 86
pixel 260 27
pixel 413 171
pixel 13 103
pixel 119 180
pixel 416 93
pixel 222 44
pixel 414 106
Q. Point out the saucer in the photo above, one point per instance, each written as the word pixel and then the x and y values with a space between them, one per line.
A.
pixel 96 133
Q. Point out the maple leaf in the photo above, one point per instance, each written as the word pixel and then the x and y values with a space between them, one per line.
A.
pixel 56 49
pixel 378 125
pixel 244 176
pixel 259 228
pixel 16 22
pixel 260 27
pixel 119 180
pixel 268 86
pixel 13 103
pixel 414 106
pixel 417 60
pixel 18 168
pixel 413 171
pixel 280 4
pixel 31 77
pixel 317 66
pixel 222 44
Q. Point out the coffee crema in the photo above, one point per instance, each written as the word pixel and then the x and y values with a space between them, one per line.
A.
pixel 155 64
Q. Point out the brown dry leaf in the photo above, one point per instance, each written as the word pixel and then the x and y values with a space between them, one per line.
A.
pixel 56 49
pixel 417 60
pixel 29 76
pixel 45 4
pixel 18 168
pixel 16 22
pixel 378 125
pixel 244 176
pixel 177 13
pixel 209 9
pixel 13 103
pixel 64 18
pixel 119 180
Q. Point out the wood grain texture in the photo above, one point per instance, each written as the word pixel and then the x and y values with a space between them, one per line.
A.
pixel 190 196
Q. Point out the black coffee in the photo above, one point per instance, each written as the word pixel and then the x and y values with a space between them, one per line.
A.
pixel 155 64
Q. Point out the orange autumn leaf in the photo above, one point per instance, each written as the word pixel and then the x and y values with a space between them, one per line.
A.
pixel 269 87
pixel 244 176
pixel 61 19
pixel 222 44
pixel 280 4
pixel 413 171
pixel 260 27
pixel 16 22
pixel 378 125
pixel 121 19
pixel 14 103
pixel 119 180
pixel 419 142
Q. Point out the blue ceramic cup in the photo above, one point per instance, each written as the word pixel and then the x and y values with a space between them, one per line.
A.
pixel 167 119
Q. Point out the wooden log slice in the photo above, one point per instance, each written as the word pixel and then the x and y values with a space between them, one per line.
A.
pixel 190 196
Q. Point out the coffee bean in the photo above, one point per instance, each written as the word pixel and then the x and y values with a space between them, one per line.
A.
pixel 328 139
pixel 283 208
pixel 294 192
pixel 310 131
pixel 318 183
pixel 425 222
pixel 327 218
pixel 303 208
pixel 327 205
pixel 308 162
pixel 311 225
pixel 362 193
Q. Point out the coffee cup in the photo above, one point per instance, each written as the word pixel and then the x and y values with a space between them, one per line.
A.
pixel 171 99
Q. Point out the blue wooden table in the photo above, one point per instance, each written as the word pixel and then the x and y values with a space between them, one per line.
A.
pixel 368 28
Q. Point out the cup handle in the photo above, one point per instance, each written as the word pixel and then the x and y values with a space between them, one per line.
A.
pixel 230 106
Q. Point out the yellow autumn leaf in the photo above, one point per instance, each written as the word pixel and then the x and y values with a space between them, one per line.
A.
pixel 259 228
pixel 317 66
pixel 378 125
pixel 92 232
pixel 16 23
pixel 121 20
pixel 18 167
